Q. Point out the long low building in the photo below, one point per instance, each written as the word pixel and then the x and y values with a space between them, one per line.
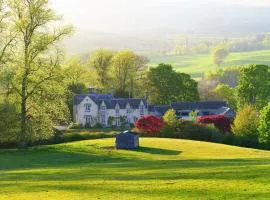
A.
pixel 104 109
pixel 204 108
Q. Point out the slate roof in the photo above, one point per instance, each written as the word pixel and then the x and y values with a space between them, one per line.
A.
pixel 159 110
pixel 204 105
pixel 208 105
pixel 109 100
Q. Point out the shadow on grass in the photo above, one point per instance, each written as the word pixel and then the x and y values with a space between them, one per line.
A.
pixel 158 151
pixel 101 170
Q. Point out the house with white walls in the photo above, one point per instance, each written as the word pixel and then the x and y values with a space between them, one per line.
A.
pixel 106 110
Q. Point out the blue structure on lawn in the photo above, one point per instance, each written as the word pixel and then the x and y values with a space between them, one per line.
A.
pixel 127 140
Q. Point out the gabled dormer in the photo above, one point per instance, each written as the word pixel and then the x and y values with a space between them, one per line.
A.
pixel 103 107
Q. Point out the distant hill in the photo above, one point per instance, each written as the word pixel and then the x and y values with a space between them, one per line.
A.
pixel 149 28
pixel 196 65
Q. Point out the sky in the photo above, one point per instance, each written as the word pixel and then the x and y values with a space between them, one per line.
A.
pixel 149 18
pixel 132 15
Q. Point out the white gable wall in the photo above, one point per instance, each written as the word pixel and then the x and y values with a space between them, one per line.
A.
pixel 81 113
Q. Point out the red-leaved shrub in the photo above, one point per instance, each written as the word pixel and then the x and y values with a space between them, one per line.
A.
pixel 220 121
pixel 149 124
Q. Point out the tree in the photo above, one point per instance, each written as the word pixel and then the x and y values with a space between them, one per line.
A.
pixel 219 54
pixel 264 125
pixel 76 71
pixel 127 69
pixel 221 122
pixel 253 85
pixel 36 80
pixel 190 88
pixel 206 88
pixel 9 122
pixel 100 61
pixel 166 85
pixel 149 124
pixel 228 94
pixel 230 76
pixel 7 42
pixel 170 117
pixel 6 34
pixel 246 122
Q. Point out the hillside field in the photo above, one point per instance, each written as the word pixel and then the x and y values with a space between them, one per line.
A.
pixel 160 169
pixel 196 65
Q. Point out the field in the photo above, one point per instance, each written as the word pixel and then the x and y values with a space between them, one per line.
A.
pixel 197 64
pixel 160 169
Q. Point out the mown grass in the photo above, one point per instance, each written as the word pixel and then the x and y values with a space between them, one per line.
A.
pixel 160 169
pixel 196 65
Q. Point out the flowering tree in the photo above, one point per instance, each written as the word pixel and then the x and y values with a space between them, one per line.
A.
pixel 149 124
pixel 220 121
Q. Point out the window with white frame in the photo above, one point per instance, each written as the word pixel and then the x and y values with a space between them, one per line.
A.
pixel 117 112
pixel 103 119
pixel 88 119
pixel 87 107
pixel 129 113
pixel 103 109
pixel 141 108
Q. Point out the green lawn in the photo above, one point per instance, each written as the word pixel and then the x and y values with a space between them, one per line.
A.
pixel 197 64
pixel 161 169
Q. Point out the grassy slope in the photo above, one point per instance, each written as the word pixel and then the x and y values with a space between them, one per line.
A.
pixel 197 64
pixel 160 169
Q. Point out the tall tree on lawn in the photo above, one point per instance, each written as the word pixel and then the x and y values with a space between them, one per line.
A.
pixel 38 58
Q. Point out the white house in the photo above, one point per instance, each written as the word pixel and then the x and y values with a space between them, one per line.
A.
pixel 104 109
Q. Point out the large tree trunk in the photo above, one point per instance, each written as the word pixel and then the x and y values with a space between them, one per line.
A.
pixel 23 138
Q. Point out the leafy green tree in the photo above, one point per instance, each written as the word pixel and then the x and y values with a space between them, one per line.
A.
pixel 230 76
pixel 228 94
pixel 38 74
pixel 9 122
pixel 100 61
pixel 170 117
pixel 76 71
pixel 246 122
pixel 166 85
pixel 127 69
pixel 6 34
pixel 253 85
pixel 213 74
pixel 264 127
pixel 190 88
pixel 219 54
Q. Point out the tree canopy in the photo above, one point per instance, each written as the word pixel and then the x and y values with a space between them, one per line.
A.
pixel 167 86
pixel 253 85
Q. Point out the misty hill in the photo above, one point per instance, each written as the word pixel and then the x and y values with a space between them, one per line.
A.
pixel 147 28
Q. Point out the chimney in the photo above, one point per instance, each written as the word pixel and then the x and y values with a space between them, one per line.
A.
pixel 91 90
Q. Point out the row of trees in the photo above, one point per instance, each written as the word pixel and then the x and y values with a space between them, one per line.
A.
pixel 205 46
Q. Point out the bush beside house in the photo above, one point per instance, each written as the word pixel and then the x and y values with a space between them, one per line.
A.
pixel 246 122
pixel 221 122
pixel 264 125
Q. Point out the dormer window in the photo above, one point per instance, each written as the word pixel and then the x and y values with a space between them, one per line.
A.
pixel 87 107
pixel 103 109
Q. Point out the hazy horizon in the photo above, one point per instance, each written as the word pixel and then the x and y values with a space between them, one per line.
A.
pixel 97 22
